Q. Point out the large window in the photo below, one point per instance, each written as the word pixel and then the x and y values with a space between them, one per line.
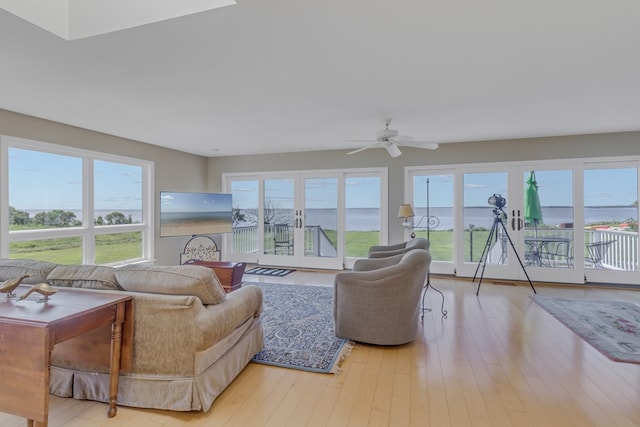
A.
pixel 69 206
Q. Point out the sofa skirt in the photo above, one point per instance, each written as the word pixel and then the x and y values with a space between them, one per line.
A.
pixel 195 393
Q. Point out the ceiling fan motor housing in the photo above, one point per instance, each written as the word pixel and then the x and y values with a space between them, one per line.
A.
pixel 386 134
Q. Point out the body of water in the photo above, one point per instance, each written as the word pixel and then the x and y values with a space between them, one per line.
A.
pixel 367 219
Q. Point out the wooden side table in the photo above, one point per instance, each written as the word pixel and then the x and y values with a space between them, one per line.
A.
pixel 29 331
pixel 229 273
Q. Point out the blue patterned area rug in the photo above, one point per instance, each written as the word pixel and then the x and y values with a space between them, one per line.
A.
pixel 611 327
pixel 299 328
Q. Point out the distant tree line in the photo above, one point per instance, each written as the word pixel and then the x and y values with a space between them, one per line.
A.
pixel 62 218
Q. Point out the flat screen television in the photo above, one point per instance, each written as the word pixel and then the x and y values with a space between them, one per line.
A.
pixel 190 214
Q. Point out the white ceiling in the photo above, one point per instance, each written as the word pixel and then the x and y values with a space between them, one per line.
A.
pixel 268 76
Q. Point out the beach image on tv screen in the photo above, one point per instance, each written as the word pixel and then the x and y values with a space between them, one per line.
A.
pixel 189 214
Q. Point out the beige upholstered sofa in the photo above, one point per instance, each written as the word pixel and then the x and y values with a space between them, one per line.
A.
pixel 190 338
pixel 378 301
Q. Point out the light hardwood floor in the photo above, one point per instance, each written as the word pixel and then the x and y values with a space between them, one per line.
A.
pixel 496 360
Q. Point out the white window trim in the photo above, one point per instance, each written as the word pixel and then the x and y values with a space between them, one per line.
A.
pixel 88 231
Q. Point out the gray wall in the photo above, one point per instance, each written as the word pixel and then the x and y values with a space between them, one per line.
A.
pixel 174 170
pixel 178 171
pixel 581 146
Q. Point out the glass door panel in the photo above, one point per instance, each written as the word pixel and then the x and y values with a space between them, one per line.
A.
pixel 278 219
pixel 548 218
pixel 363 222
pixel 610 224
pixel 486 248
pixel 433 207
pixel 246 214
pixel 320 225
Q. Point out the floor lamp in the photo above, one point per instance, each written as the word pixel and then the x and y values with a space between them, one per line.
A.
pixel 432 222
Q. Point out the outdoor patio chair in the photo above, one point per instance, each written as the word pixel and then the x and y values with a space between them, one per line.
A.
pixel 597 252
pixel 282 239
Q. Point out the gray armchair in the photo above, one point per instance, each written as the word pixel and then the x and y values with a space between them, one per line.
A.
pixel 383 251
pixel 378 302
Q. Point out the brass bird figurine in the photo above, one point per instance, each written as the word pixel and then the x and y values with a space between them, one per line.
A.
pixel 10 285
pixel 43 289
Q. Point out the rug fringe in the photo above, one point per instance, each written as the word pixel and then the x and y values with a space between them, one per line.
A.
pixel 344 352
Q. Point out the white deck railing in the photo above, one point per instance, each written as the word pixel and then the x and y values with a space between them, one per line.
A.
pixel 622 254
pixel 245 240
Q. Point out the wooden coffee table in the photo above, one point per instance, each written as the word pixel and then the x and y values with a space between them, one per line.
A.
pixel 29 330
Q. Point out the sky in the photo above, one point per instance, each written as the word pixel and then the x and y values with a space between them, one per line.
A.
pixel 360 192
pixel 602 187
pixel 49 181
pixel 171 202
pixel 44 181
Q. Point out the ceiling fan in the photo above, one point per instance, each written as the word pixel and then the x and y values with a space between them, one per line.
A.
pixel 390 139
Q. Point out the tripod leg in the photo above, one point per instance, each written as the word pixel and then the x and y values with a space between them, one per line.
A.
pixel 485 251
pixel 493 232
pixel 518 257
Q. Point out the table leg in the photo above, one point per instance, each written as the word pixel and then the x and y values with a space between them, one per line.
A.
pixel 114 368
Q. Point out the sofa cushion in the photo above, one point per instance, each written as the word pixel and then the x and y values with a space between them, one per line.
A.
pixel 84 276
pixel 173 280
pixel 13 268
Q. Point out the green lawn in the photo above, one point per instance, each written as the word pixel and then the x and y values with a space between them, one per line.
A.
pixel 68 250
pixel 122 246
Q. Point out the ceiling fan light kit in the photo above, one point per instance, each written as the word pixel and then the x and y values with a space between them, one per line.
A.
pixel 391 139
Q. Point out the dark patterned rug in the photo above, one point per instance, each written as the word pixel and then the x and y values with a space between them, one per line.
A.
pixel 263 271
pixel 611 327
pixel 299 328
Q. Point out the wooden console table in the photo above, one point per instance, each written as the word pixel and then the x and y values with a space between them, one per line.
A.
pixel 29 330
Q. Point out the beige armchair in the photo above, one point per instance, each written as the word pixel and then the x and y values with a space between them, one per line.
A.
pixel 383 251
pixel 378 302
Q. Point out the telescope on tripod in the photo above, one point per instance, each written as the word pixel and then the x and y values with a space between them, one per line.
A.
pixel 498 202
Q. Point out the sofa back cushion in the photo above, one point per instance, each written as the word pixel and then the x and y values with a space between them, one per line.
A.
pixel 14 268
pixel 84 276
pixel 173 280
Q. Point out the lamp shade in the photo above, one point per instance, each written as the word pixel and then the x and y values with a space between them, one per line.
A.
pixel 405 211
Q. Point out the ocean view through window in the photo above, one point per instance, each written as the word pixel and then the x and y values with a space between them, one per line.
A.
pixel 69 205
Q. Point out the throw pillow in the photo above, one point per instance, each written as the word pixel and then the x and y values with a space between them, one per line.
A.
pixel 84 276
pixel 12 268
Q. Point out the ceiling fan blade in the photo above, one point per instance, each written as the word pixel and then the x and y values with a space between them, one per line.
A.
pixel 392 149
pixel 402 138
pixel 362 140
pixel 362 149
pixel 419 144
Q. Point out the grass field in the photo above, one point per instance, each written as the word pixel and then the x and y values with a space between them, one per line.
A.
pixel 122 246
pixel 68 250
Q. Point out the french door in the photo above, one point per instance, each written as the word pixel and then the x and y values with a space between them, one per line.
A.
pixel 301 225
pixel 314 219
pixel 501 235
pixel 584 230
